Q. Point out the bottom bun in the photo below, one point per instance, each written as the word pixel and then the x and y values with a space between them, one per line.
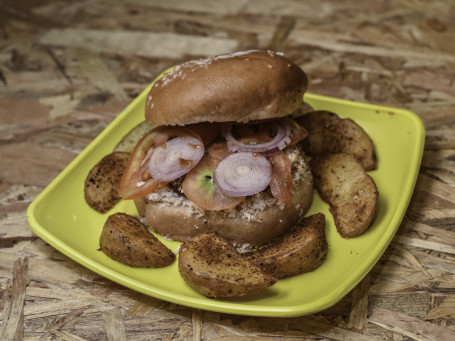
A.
pixel 255 221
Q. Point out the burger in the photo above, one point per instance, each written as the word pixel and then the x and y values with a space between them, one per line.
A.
pixel 224 155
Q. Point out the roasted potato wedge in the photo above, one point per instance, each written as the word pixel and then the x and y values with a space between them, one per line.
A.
pixel 214 268
pixel 330 134
pixel 125 239
pixel 129 141
pixel 299 250
pixel 342 182
pixel 103 181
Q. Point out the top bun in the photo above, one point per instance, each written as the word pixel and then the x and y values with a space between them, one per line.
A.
pixel 237 87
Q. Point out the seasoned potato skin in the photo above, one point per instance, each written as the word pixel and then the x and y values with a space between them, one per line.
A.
pixel 330 134
pixel 125 239
pixel 103 181
pixel 301 249
pixel 351 193
pixel 213 267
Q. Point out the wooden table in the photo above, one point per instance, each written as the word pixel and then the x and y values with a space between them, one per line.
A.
pixel 67 68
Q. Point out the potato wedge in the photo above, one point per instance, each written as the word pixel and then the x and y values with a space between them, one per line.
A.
pixel 214 268
pixel 299 250
pixel 125 239
pixel 351 193
pixel 129 141
pixel 102 182
pixel 330 134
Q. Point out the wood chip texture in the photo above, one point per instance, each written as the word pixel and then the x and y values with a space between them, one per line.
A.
pixel 67 69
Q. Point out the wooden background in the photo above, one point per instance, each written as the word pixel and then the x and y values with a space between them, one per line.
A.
pixel 68 67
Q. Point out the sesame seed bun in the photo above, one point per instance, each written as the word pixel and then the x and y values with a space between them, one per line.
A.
pixel 237 87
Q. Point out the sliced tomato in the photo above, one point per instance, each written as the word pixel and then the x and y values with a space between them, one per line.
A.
pixel 219 150
pixel 281 182
pixel 298 133
pixel 199 187
pixel 261 130
pixel 136 182
pixel 206 130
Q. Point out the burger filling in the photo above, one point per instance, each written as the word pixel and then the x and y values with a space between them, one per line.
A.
pixel 215 166
pixel 172 194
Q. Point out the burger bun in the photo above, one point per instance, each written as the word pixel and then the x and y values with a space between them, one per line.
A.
pixel 237 87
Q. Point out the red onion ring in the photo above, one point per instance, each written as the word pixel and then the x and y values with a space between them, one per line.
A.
pixel 175 158
pixel 280 141
pixel 242 174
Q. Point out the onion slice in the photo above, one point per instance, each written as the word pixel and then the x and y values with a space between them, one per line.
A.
pixel 175 158
pixel 281 139
pixel 243 173
pixel 275 135
pixel 136 181
pixel 199 187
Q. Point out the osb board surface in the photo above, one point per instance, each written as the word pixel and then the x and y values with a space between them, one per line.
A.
pixel 68 67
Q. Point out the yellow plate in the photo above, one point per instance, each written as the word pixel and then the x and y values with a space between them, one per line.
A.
pixel 61 217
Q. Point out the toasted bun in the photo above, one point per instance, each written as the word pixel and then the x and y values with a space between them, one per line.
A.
pixel 237 87
pixel 254 222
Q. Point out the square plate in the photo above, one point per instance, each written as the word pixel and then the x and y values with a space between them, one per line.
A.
pixel 61 217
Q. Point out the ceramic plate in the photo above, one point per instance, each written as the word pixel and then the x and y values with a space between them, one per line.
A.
pixel 61 217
